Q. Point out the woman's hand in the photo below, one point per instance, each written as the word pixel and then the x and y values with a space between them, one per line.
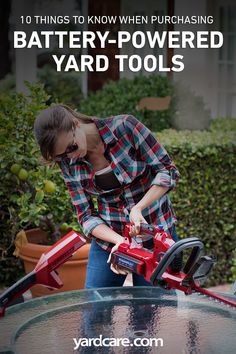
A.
pixel 136 218
pixel 114 267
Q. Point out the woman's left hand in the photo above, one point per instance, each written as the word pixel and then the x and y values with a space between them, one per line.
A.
pixel 114 267
pixel 136 218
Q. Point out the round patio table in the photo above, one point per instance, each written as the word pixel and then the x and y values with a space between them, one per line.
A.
pixel 119 320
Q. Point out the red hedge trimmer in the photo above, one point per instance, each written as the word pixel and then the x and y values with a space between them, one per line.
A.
pixel 162 265
pixel 45 271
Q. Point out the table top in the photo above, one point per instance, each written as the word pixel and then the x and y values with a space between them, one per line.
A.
pixel 150 320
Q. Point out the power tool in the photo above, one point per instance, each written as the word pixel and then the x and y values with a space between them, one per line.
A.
pixel 44 272
pixel 155 255
pixel 163 262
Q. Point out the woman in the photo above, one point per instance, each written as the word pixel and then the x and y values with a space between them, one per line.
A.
pixel 120 162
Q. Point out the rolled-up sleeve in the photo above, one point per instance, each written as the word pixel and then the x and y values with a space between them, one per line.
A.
pixel 153 153
pixel 83 204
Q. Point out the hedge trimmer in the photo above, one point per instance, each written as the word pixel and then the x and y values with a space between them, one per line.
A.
pixel 162 265
pixel 45 271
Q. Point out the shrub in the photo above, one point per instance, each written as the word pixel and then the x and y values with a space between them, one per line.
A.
pixel 61 87
pixel 233 268
pixel 64 87
pixel 122 97
pixel 204 199
pixel 27 196
pixel 223 125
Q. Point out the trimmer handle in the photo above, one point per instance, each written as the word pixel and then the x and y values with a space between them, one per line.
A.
pixel 145 230
pixel 175 250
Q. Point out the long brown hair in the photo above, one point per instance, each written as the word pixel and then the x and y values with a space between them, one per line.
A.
pixel 52 121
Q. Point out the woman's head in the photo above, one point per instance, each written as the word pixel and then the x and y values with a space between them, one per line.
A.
pixel 56 132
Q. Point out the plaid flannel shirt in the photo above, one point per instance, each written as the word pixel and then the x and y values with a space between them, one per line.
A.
pixel 138 161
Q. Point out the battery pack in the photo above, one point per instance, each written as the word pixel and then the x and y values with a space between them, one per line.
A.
pixel 127 262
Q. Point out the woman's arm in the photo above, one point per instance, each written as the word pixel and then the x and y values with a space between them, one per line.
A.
pixel 152 153
pixel 153 194
pixel 90 221
pixel 156 157
pixel 136 217
pixel 105 233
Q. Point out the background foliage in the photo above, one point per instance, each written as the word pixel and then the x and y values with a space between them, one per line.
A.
pixel 63 87
pixel 29 190
pixel 122 97
pixel 204 199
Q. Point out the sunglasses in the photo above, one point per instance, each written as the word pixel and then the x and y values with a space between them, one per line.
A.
pixel 70 148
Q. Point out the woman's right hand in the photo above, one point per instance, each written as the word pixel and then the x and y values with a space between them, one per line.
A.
pixel 136 218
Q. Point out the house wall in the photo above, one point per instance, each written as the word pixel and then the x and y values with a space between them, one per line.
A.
pixel 196 73
pixel 211 73
pixel 226 58
pixel 25 60
pixel 145 8
pixel 212 88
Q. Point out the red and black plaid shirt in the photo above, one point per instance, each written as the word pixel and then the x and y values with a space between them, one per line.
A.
pixel 138 161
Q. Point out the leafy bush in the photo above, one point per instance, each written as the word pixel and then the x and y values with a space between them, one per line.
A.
pixel 204 199
pixel 61 87
pixel 8 84
pixel 233 268
pixel 223 125
pixel 29 191
pixel 122 97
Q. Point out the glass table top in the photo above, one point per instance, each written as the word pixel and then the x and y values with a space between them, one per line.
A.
pixel 150 320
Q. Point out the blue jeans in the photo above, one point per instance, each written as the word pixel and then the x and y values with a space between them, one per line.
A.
pixel 100 275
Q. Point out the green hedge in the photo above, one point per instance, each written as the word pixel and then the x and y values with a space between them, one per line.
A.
pixel 122 97
pixel 204 199
pixel 223 125
pixel 233 268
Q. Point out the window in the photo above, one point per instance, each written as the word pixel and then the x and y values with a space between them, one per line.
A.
pixel 227 62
